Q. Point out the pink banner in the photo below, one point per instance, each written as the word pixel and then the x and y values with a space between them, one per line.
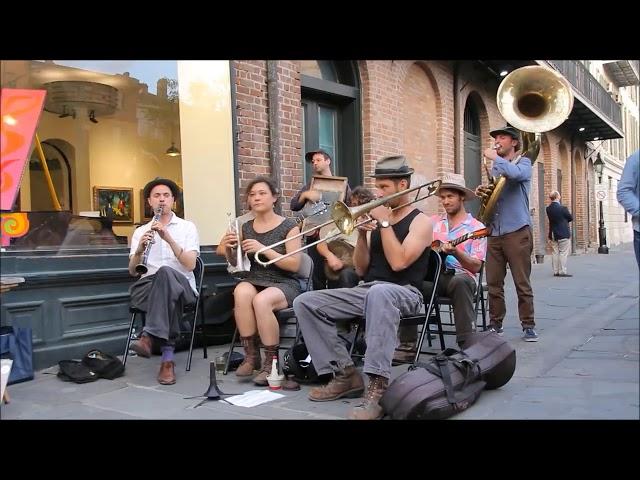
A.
pixel 20 111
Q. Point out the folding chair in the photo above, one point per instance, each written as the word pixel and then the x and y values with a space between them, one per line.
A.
pixel 478 305
pixel 195 308
pixel 286 317
pixel 430 316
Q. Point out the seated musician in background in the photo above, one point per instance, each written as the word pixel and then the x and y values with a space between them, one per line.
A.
pixel 464 261
pixel 265 289
pixel 320 253
pixel 392 261
pixel 169 283
pixel 342 274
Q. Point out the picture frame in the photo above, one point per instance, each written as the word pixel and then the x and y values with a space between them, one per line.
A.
pixel 147 213
pixel 114 203
pixel 145 208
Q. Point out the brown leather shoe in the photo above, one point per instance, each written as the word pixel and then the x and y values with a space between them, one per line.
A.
pixel 167 375
pixel 142 347
pixel 347 384
pixel 370 409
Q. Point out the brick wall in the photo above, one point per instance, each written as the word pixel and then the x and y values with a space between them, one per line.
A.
pixel 252 122
pixel 406 108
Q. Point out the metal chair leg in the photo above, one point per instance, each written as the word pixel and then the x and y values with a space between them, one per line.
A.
pixel 202 325
pixel 193 333
pixel 233 344
pixel 126 347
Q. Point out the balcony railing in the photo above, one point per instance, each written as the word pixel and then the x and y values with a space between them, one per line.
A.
pixel 579 76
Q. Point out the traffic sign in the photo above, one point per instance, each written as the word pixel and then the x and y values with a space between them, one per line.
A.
pixel 601 192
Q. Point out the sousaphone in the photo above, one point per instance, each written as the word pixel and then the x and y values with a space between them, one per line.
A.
pixel 532 99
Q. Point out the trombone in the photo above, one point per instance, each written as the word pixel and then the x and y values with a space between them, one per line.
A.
pixel 345 219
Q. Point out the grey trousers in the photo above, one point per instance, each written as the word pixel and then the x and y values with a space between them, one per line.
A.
pixel 460 289
pixel 162 296
pixel 380 303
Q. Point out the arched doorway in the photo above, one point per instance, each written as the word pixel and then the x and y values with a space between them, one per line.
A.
pixel 472 153
pixel 330 93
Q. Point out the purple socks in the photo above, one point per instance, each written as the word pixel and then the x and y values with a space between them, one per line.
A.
pixel 167 353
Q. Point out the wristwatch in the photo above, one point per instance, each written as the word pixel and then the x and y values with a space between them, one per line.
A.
pixel 384 224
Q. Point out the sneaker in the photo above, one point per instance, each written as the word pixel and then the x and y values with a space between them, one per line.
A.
pixel 529 335
pixel 498 330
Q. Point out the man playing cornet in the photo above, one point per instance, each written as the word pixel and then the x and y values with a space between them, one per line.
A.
pixel 168 282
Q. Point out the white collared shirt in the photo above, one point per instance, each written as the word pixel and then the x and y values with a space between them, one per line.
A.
pixel 183 232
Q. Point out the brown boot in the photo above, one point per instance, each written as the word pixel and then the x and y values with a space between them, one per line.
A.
pixel 269 352
pixel 167 375
pixel 142 346
pixel 370 409
pixel 405 353
pixel 348 384
pixel 251 360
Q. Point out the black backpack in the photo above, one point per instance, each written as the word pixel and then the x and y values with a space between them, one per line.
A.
pixel 295 364
pixel 75 371
pixel 94 365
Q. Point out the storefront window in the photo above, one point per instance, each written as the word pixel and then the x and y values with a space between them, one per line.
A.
pixel 107 128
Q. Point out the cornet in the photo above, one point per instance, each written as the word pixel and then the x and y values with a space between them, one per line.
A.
pixel 239 262
pixel 141 268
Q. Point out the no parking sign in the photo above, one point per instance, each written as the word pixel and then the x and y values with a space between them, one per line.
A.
pixel 601 192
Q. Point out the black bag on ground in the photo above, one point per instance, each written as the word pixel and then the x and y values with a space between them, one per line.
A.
pixel 103 364
pixel 449 383
pixel 296 364
pixel 75 371
pixel 94 365
pixel 16 344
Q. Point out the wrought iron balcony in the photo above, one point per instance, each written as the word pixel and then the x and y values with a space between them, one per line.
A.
pixel 592 96
pixel 624 73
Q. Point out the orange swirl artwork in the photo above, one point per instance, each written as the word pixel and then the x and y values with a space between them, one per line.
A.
pixel 20 112
pixel 13 225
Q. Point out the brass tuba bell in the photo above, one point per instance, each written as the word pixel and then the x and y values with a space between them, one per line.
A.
pixel 533 99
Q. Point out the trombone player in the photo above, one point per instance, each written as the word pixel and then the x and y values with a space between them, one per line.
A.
pixel 167 283
pixel 511 239
pixel 392 262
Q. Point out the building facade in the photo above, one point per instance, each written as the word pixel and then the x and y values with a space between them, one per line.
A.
pixel 107 129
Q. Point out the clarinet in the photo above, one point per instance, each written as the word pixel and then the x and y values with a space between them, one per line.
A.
pixel 141 268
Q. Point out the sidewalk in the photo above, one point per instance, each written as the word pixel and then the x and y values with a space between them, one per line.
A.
pixel 585 365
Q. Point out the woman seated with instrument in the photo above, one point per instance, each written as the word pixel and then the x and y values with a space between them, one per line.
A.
pixel 264 290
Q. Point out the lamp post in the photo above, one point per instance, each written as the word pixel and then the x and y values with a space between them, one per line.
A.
pixel 598 166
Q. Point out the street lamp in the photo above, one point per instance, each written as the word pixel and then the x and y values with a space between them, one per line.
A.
pixel 598 166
